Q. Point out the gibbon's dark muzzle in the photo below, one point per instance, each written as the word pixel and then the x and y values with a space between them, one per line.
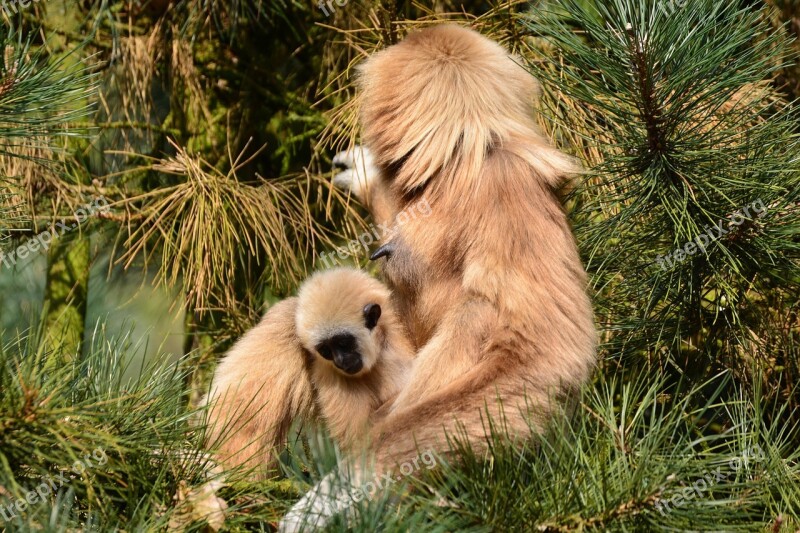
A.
pixel 342 349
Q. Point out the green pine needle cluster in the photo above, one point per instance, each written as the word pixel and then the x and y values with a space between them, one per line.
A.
pixel 639 454
pixel 115 449
pixel 688 218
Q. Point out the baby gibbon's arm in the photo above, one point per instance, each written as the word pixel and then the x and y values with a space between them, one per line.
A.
pixel 259 387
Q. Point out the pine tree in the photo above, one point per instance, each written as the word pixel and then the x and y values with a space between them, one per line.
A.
pixel 679 112
pixel 41 100
pixel 689 218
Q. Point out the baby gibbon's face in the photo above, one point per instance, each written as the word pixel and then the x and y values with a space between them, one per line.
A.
pixel 339 319
pixel 347 348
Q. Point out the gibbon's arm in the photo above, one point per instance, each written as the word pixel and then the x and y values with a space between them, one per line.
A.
pixel 258 389
pixel 455 348
pixel 361 177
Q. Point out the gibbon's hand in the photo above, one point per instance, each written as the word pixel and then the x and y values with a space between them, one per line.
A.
pixel 315 510
pixel 358 171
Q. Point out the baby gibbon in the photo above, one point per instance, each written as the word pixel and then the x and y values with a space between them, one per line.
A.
pixel 361 354
pixel 335 352
pixel 492 280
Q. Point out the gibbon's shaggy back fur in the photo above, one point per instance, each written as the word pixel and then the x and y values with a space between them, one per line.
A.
pixel 274 373
pixel 492 283
pixel 436 104
pixel 259 387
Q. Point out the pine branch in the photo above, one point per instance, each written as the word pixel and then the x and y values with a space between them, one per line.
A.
pixel 675 107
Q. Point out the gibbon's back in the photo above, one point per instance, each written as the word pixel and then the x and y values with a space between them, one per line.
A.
pixel 435 104
pixel 494 274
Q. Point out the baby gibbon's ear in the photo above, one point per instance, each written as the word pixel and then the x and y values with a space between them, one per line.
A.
pixel 435 105
pixel 372 312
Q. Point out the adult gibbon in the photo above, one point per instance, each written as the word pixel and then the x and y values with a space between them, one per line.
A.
pixel 492 283
pixel 335 352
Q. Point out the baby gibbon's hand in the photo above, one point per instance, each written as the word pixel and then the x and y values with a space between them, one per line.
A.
pixel 358 171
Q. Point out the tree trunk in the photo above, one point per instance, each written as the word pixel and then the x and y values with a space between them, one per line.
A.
pixel 66 291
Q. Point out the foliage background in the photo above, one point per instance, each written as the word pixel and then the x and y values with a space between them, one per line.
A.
pixel 209 127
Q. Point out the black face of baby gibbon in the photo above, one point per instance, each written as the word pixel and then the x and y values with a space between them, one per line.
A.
pixel 339 319
pixel 342 349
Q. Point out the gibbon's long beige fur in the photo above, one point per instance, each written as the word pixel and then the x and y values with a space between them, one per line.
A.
pixel 492 283
pixel 275 373
pixel 259 387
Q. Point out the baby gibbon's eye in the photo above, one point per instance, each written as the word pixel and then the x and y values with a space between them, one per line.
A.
pixel 372 312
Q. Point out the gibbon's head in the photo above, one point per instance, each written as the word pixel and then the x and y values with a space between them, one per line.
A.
pixel 439 101
pixel 342 316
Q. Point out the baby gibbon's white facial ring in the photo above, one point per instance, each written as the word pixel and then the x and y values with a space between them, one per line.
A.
pixel 372 312
pixel 342 349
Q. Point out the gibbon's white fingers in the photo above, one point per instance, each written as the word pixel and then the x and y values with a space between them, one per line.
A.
pixel 364 180
pixel 358 171
pixel 361 356
pixel 259 387
pixel 332 495
pixel 315 509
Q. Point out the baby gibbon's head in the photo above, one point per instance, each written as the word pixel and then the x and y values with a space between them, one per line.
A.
pixel 342 316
